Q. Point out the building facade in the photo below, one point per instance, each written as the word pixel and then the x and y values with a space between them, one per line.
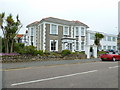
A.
pixel 22 38
pixel 107 43
pixel 54 35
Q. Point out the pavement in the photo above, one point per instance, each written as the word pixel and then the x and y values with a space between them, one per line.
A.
pixel 81 75
pixel 45 63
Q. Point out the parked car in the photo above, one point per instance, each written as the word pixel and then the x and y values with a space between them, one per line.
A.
pixel 110 56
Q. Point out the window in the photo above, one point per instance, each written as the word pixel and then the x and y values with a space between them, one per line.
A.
pixel 66 31
pixel 24 38
pixel 113 39
pixel 82 38
pixel 100 48
pixel 114 47
pixel 31 38
pixel 32 32
pixel 109 47
pixel 109 38
pixel 53 45
pixel 92 36
pixel 70 46
pixel 104 38
pixel 77 45
pixel 53 29
pixel 82 45
pixel 77 31
pixel 82 31
pixel 104 47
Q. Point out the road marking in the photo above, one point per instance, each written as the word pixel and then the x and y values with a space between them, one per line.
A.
pixel 113 67
pixel 21 83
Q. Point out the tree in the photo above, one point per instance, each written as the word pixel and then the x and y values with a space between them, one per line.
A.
pixel 98 37
pixel 10 29
pixel 2 15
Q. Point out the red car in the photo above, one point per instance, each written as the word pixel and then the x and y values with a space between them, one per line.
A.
pixel 110 56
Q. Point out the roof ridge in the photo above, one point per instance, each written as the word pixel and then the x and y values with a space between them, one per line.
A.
pixel 57 18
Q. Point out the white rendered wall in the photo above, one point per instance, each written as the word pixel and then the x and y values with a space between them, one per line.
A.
pixel 103 42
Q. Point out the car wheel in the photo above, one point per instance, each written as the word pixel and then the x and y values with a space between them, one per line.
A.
pixel 114 59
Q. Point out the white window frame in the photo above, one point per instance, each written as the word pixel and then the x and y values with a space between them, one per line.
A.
pixel 56 33
pixel 32 31
pixel 83 34
pixel 114 47
pixel 65 29
pixel 92 36
pixel 109 38
pixel 104 47
pixel 77 33
pixel 77 47
pixel 55 46
pixel 82 46
pixel 113 39
pixel 109 47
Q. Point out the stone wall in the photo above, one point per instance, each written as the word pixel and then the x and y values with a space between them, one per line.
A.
pixel 10 59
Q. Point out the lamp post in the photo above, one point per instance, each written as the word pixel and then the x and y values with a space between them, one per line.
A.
pixel 118 41
pixel 118 38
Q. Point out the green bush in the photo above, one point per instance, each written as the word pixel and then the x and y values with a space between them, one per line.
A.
pixel 76 52
pixel 30 50
pixel 101 52
pixel 46 53
pixel 40 52
pixel 19 48
pixel 65 52
pixel 82 52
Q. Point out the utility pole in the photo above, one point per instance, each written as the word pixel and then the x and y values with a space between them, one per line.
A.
pixel 118 39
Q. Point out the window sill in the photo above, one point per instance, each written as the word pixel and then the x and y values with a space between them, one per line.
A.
pixel 54 34
pixel 65 34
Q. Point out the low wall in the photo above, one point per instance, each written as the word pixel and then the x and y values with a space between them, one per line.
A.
pixel 9 59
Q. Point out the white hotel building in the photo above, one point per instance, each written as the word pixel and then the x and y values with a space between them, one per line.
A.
pixel 108 42
pixel 53 34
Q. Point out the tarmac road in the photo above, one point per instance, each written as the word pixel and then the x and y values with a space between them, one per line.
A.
pixel 80 75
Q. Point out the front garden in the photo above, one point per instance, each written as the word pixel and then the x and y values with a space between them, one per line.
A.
pixel 29 53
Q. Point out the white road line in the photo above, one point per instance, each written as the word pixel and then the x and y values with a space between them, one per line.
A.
pixel 21 83
pixel 113 67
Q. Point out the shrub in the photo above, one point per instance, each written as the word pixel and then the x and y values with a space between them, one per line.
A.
pixel 82 52
pixel 65 52
pixel 101 52
pixel 40 52
pixel 19 48
pixel 46 53
pixel 30 50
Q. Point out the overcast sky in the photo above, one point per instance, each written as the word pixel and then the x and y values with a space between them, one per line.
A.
pixel 99 15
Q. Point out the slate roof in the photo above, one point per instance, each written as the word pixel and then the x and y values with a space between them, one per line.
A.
pixel 62 21
pixel 59 21
pixel 34 23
